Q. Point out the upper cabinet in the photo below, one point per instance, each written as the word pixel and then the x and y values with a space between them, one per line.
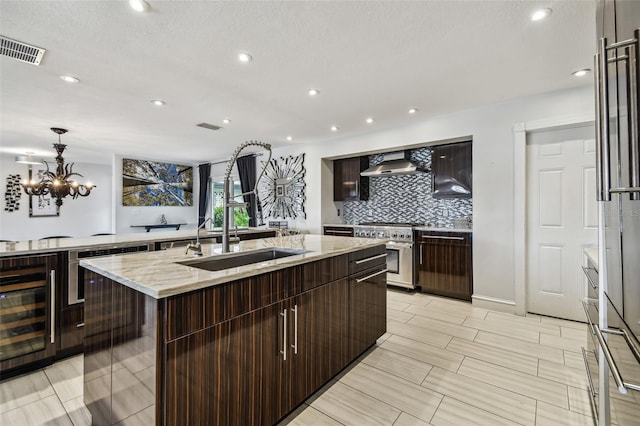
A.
pixel 348 185
pixel 451 170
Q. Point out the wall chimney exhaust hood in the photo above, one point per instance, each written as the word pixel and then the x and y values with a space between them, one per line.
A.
pixel 394 163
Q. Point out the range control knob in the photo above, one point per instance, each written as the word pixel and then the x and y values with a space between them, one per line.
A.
pixel 394 235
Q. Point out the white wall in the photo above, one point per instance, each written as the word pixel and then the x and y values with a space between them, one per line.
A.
pixel 80 217
pixel 125 216
pixel 493 174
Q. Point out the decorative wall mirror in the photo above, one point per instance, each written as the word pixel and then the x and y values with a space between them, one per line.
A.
pixel 281 189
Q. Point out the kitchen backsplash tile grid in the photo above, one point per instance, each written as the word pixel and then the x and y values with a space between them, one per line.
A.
pixel 406 198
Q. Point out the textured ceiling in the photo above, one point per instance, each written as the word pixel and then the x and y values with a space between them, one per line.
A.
pixel 367 59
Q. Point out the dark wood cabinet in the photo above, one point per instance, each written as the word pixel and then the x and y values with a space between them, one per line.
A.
pixel 241 353
pixel 72 328
pixel 28 286
pixel 348 185
pixel 451 170
pixel 367 300
pixel 338 231
pixel 444 263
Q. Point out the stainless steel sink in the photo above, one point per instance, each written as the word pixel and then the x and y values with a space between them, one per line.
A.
pixel 233 260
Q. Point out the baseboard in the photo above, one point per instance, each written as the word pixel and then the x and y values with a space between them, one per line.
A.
pixel 493 303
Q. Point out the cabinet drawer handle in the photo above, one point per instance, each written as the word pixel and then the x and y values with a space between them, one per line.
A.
pixel 53 305
pixel 421 254
pixel 440 237
pixel 369 259
pixel 80 325
pixel 295 329
pixel 334 231
pixel 375 274
pixel 284 335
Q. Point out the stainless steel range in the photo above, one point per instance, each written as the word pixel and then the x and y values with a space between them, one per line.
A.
pixel 399 249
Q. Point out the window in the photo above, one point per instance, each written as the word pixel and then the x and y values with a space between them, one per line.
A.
pixel 240 216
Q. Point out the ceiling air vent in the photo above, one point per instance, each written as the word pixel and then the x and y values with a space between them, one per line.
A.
pixel 20 51
pixel 209 126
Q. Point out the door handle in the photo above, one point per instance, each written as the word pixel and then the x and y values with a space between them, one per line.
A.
pixel 52 330
pixel 284 334
pixel 605 143
pixel 295 329
pixel 421 253
pixel 599 164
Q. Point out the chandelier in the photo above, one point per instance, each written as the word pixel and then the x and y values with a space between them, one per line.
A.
pixel 58 184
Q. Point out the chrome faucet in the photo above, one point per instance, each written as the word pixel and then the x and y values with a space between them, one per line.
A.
pixel 228 203
pixel 196 247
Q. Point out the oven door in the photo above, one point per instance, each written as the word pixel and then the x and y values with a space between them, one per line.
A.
pixel 400 264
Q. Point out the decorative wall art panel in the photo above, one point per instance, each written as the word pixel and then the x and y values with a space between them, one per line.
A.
pixel 151 183
pixel 282 188
pixel 13 193
pixel 41 205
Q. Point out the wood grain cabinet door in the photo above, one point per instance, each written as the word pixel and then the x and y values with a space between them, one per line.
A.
pixel 444 265
pixel 348 185
pixel 367 309
pixel 324 336
pixel 229 374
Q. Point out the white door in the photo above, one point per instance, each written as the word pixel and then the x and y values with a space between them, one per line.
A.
pixel 561 219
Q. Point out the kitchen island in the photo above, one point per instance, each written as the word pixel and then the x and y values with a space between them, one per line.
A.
pixel 170 343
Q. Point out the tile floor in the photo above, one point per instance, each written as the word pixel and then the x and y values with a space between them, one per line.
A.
pixel 442 362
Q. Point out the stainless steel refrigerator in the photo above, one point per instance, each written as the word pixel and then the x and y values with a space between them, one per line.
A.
pixel 616 329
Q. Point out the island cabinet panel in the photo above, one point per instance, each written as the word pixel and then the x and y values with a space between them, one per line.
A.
pixel 367 308
pixel 120 352
pixel 445 264
pixel 227 374
pixel 243 353
pixel 28 288
pixel 324 271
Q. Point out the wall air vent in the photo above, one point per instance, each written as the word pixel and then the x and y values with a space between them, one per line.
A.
pixel 20 51
pixel 209 126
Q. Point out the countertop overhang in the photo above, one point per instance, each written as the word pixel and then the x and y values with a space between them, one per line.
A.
pixel 157 274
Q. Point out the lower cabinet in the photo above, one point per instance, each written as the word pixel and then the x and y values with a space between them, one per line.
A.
pixel 444 264
pixel 367 309
pixel 72 327
pixel 241 353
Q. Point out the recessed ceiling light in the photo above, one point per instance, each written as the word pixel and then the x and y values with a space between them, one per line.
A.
pixel 226 121
pixel 139 5
pixel 334 128
pixel 158 102
pixel 581 73
pixel 413 111
pixel 313 92
pixel 369 120
pixel 69 79
pixel 289 138
pixel 244 57
pixel 540 14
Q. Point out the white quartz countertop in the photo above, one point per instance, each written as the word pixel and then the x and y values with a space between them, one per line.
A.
pixel 417 228
pixel 592 254
pixel 157 275
pixel 431 228
pixel 103 241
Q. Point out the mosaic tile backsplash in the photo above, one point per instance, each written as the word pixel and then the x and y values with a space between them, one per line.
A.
pixel 405 198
